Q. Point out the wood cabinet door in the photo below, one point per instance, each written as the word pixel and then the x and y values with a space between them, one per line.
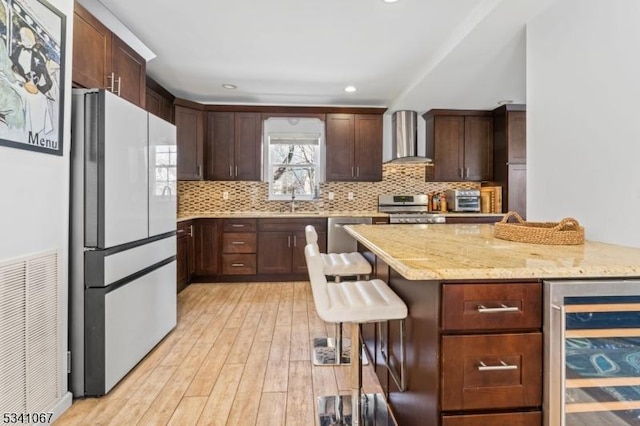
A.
pixel 299 263
pixel 368 147
pixel 517 189
pixel 189 126
pixel 158 105
pixel 220 141
pixel 478 148
pixel 247 145
pixel 182 263
pixel 448 155
pixel 517 136
pixel 129 69
pixel 275 252
pixel 91 50
pixel 207 248
pixel 340 134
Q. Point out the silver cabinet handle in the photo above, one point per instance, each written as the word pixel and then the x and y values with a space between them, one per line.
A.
pixel 467 173
pixel 191 230
pixel 237 243
pixel 503 366
pixel 358 171
pixel 119 86
pixel 112 82
pixel 503 308
pixel 199 171
pixel 237 225
pixel 352 172
pixel 236 171
pixel 295 241
pixel 230 170
pixel 237 265
pixel 461 172
pixel 289 241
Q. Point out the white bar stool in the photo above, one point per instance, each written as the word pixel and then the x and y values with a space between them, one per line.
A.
pixel 338 266
pixel 356 302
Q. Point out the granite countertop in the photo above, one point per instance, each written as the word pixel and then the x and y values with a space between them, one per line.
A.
pixel 469 251
pixel 357 213
pixel 258 214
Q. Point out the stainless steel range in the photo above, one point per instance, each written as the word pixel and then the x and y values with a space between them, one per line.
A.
pixel 408 209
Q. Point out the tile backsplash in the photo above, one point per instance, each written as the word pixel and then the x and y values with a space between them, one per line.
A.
pixel 198 197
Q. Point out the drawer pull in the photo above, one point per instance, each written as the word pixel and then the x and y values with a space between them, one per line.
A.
pixel 237 243
pixel 237 265
pixel 503 366
pixel 503 308
pixel 237 225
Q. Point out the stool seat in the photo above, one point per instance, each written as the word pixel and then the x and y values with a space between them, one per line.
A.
pixel 351 301
pixel 345 264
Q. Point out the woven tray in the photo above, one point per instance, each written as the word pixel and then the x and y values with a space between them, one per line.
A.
pixel 567 231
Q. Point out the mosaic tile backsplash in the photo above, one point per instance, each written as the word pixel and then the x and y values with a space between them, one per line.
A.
pixel 200 197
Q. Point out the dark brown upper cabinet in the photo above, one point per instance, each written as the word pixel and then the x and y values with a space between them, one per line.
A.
pixel 233 148
pixel 159 101
pixel 354 147
pixel 460 142
pixel 189 122
pixel 101 60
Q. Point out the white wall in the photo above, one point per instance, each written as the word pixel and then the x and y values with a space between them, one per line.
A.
pixel 583 115
pixel 34 197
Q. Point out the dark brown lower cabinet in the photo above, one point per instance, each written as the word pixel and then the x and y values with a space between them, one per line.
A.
pixel 207 247
pixel 281 245
pixel 533 418
pixel 184 254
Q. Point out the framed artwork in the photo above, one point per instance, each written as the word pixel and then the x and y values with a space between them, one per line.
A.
pixel 32 43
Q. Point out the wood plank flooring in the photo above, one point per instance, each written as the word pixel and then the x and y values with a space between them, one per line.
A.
pixel 239 355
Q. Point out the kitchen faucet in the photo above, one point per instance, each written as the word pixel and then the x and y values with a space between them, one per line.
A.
pixel 293 201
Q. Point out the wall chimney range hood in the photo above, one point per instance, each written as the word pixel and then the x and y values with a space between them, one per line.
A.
pixel 404 139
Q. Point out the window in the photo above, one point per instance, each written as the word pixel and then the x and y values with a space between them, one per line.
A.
pixel 294 162
pixel 164 163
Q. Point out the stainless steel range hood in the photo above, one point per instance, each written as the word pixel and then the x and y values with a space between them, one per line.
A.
pixel 404 139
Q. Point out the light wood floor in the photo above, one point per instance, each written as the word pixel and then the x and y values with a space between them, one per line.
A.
pixel 240 355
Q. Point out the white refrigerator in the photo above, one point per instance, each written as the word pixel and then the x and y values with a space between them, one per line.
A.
pixel 123 244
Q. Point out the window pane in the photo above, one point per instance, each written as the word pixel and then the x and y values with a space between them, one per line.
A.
pixel 293 154
pixel 302 180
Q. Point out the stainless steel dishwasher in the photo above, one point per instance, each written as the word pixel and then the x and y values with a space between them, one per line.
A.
pixel 339 240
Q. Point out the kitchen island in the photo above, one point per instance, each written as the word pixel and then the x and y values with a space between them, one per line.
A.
pixel 474 336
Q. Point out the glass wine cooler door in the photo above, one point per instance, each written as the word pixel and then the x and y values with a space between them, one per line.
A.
pixel 592 360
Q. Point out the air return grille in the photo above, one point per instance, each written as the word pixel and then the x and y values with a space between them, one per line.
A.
pixel 29 334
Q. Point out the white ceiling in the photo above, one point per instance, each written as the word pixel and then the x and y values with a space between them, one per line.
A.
pixel 413 54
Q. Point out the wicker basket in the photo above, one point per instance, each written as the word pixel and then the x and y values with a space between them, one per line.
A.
pixel 567 231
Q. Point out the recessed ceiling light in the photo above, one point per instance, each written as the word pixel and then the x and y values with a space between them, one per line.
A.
pixel 350 89
pixel 229 86
pixel 389 1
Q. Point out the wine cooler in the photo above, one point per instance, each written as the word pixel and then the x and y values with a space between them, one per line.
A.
pixel 592 353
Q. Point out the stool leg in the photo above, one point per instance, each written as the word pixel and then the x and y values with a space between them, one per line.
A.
pixel 356 374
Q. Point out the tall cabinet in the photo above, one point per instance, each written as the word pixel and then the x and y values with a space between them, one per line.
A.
pixel 189 120
pixel 510 156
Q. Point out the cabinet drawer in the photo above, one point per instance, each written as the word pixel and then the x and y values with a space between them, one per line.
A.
pixel 238 264
pixel 292 224
pixel 239 242
pixel 239 225
pixel 491 371
pixel 491 306
pixel 533 418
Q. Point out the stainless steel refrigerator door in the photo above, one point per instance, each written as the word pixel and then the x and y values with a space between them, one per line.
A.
pixel 163 183
pixel 116 177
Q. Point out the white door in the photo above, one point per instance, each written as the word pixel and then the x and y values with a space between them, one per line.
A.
pixel 125 172
pixel 162 176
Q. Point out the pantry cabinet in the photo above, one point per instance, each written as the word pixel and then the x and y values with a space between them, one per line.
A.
pixel 460 142
pixel 102 60
pixel 354 147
